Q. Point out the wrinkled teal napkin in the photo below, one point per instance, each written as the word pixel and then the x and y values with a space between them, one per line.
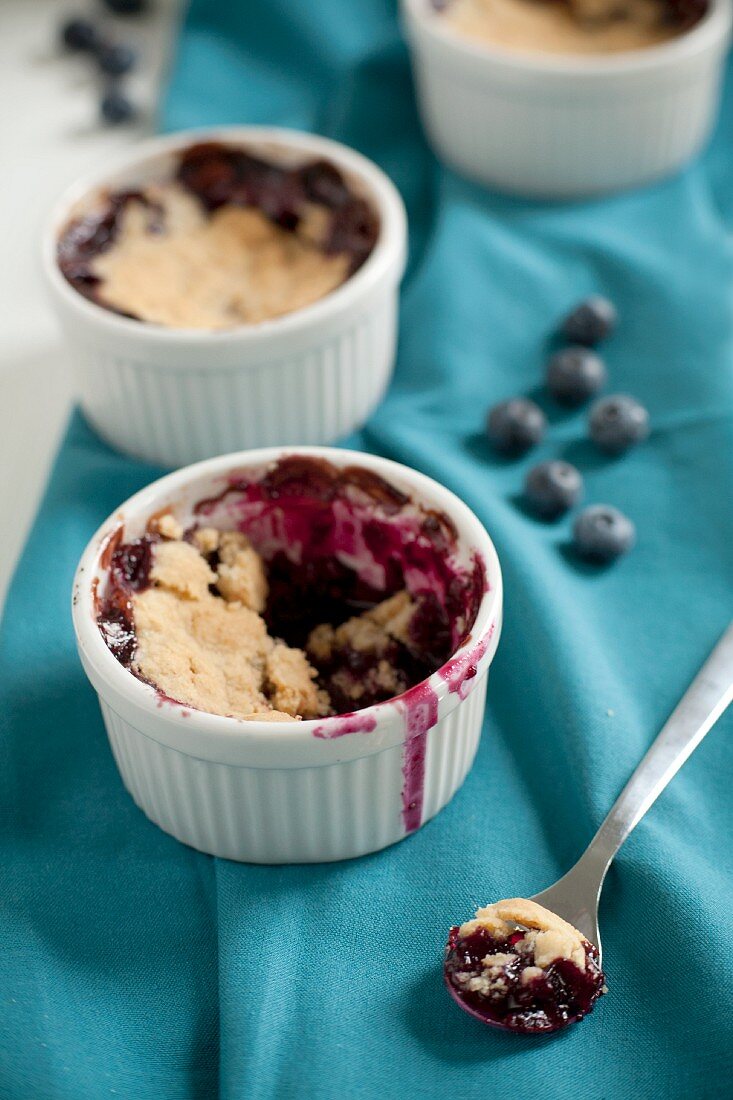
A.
pixel 133 967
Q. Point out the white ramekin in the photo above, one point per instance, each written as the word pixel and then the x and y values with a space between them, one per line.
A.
pixel 291 792
pixel 564 127
pixel 171 396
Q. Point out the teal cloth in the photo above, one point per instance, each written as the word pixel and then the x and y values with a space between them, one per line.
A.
pixel 134 967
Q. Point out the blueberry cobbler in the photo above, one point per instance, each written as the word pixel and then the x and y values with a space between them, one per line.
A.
pixel 572 26
pixel 299 591
pixel 231 239
pixel 519 966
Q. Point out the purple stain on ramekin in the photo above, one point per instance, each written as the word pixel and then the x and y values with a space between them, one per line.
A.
pixel 344 724
pixel 164 700
pixel 460 671
pixel 420 706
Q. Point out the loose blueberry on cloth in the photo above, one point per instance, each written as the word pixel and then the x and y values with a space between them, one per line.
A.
pixel 133 967
pixel 515 425
pixel 603 533
pixel 574 374
pixel 551 488
pixel 617 423
pixel 591 321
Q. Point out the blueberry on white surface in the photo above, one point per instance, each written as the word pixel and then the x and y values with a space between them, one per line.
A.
pixel 590 321
pixel 602 533
pixel 516 425
pixel 79 34
pixel 114 59
pixel 553 487
pixel 126 7
pixel 115 108
pixel 575 374
pixel 617 423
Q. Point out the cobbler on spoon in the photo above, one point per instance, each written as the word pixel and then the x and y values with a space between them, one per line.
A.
pixel 520 967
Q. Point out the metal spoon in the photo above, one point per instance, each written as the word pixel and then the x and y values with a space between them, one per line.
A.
pixel 577 894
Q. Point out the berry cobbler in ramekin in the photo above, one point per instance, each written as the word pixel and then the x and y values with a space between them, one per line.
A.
pixel 301 637
pixel 228 288
pixel 561 99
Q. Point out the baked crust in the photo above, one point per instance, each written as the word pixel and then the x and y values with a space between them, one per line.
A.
pixel 547 934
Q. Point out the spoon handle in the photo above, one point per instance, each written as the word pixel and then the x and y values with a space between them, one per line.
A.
pixel 697 711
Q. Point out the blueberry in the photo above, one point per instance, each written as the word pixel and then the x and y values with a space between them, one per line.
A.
pixel 324 183
pixel 126 7
pixel 115 60
pixel 602 533
pixel 575 374
pixel 617 423
pixel 590 321
pixel 79 34
pixel 115 108
pixel 516 425
pixel 553 487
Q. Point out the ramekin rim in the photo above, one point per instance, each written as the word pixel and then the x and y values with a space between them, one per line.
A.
pixel 389 252
pixel 715 23
pixel 147 699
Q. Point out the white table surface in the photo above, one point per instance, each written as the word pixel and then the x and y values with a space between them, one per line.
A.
pixel 48 136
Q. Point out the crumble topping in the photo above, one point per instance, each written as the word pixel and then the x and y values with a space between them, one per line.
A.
pixel 368 654
pixel 202 640
pixel 268 716
pixel 547 936
pixel 173 263
pixel 393 616
pixel 289 682
pixel 211 649
pixel 370 632
pixel 167 526
pixel 205 539
pixel 179 567
pixel 241 574
pixel 564 26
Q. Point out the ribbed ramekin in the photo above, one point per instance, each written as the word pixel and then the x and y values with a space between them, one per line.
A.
pixel 291 792
pixel 565 127
pixel 174 396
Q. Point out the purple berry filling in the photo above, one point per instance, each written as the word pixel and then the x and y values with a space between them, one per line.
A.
pixel 560 995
